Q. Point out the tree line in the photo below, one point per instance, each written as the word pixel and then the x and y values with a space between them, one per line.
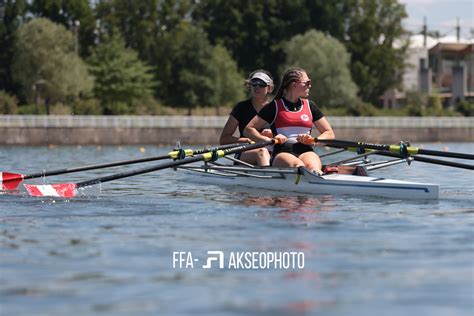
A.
pixel 131 57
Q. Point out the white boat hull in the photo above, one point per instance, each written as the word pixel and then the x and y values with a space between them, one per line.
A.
pixel 308 183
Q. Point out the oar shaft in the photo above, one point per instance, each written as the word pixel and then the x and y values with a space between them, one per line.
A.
pixel 93 167
pixel 395 148
pixel 126 174
pixel 346 143
pixel 445 154
pixel 414 157
pixel 202 157
pixel 431 160
pixel 444 162
pixel 332 153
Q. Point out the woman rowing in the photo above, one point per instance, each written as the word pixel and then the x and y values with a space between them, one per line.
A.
pixel 260 84
pixel 291 116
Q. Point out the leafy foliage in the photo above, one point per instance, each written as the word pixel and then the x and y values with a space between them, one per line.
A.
pixel 12 12
pixel 120 76
pixel 142 23
pixel 416 103
pixel 466 108
pixel 227 81
pixel 86 106
pixel 75 15
pixel 8 103
pixel 327 62
pixel 254 30
pixel 434 106
pixel 198 50
pixel 46 65
pixel 192 72
pixel 373 29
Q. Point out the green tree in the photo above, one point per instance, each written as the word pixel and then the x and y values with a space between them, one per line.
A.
pixel 466 108
pixel 251 30
pixel 46 65
pixel 327 63
pixel 435 105
pixel 416 103
pixel 254 32
pixel 8 103
pixel 375 41
pixel 142 23
pixel 120 76
pixel 75 15
pixel 12 12
pixel 228 87
pixel 192 72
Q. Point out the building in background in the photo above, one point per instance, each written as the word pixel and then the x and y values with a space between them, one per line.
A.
pixel 443 67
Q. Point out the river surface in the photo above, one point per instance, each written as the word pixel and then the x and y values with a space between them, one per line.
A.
pixel 111 252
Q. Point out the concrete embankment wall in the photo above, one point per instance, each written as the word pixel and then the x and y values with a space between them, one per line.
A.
pixel 166 130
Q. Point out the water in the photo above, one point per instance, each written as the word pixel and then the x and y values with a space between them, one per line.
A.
pixel 111 252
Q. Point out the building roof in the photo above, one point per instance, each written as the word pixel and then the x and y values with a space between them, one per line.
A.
pixel 417 41
pixel 452 47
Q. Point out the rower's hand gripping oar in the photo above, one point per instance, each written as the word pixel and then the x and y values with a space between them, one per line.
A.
pixel 70 189
pixel 10 181
pixel 401 148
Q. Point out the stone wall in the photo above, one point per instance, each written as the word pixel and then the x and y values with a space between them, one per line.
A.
pixel 58 130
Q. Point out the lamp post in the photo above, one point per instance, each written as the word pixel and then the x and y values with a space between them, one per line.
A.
pixel 36 90
pixel 75 27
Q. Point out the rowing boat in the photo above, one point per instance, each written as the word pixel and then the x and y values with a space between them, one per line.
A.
pixel 301 180
pixel 349 176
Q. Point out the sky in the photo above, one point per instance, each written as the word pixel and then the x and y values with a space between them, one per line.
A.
pixel 441 16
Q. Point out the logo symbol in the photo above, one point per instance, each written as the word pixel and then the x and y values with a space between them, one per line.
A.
pixel 219 258
pixel 305 117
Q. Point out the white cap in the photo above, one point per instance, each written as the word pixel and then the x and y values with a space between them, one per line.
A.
pixel 262 76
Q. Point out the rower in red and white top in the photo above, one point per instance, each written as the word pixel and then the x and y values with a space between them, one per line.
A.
pixel 291 116
pixel 292 123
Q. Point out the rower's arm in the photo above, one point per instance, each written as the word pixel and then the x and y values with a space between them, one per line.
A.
pixel 324 128
pixel 227 135
pixel 251 130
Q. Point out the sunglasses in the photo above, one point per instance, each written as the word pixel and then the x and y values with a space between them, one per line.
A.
pixel 258 84
pixel 306 83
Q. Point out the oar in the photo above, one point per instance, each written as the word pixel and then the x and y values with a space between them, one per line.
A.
pixel 10 181
pixel 70 189
pixel 429 160
pixel 414 157
pixel 398 149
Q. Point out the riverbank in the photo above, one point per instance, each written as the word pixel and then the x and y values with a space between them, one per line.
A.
pixel 41 130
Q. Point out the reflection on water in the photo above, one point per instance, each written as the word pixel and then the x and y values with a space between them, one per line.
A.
pixel 298 203
pixel 298 209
